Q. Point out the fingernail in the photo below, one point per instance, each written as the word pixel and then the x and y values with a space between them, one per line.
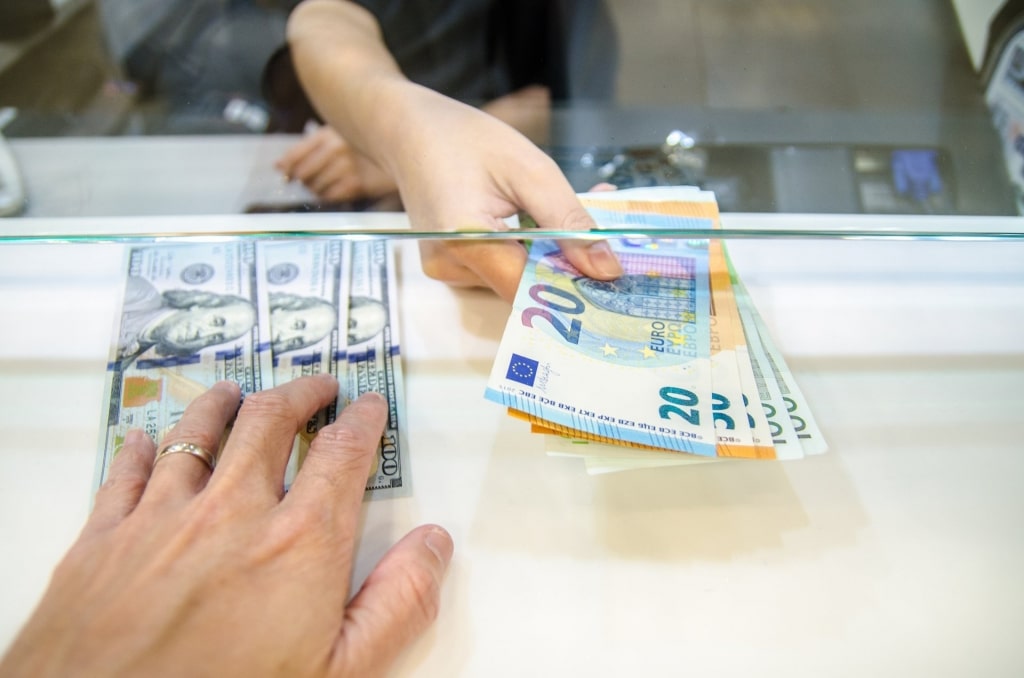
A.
pixel 603 261
pixel 326 376
pixel 230 387
pixel 226 386
pixel 440 544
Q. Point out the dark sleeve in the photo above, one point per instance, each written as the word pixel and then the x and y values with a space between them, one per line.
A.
pixel 471 50
pixel 436 43
pixel 529 40
pixel 289 107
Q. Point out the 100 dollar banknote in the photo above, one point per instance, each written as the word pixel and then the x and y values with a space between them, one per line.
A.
pixel 191 316
pixel 304 284
pixel 627 359
pixel 374 358
pixel 261 315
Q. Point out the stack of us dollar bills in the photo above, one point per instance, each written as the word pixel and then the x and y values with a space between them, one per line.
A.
pixel 670 364
pixel 259 314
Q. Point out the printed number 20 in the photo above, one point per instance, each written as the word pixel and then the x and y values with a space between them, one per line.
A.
pixel 684 404
pixel 571 333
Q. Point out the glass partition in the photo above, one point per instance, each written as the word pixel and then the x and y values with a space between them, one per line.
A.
pixel 121 107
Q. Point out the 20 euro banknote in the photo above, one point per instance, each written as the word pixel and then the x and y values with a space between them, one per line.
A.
pixel 627 359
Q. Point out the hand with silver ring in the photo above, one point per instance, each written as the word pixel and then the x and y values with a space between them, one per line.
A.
pixel 184 571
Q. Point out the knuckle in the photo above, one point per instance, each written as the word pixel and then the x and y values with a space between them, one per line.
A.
pixel 441 262
pixel 292 528
pixel 128 482
pixel 538 166
pixel 576 220
pixel 422 592
pixel 269 405
pixel 210 518
pixel 435 269
pixel 341 439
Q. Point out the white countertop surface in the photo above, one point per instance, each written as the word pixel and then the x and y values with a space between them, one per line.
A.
pixel 898 552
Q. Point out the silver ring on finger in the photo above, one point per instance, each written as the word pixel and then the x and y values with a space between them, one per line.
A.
pixel 196 451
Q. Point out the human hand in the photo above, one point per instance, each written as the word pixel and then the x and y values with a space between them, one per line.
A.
pixel 458 168
pixel 332 169
pixel 527 109
pixel 180 572
pixel 464 263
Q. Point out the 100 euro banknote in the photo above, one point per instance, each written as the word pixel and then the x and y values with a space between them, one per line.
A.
pixel 191 316
pixel 627 359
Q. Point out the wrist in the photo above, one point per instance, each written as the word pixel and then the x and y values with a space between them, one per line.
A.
pixel 398 112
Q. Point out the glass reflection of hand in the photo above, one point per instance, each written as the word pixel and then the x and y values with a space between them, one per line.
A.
pixel 332 169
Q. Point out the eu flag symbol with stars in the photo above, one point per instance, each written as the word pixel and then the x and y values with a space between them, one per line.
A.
pixel 522 369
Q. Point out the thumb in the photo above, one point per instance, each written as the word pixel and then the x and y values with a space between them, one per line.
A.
pixel 396 603
pixel 556 207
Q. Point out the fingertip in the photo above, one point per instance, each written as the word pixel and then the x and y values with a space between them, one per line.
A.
pixel 371 408
pixel 137 437
pixel 125 482
pixel 329 384
pixel 228 386
pixel 398 601
pixel 439 542
pixel 578 219
pixel 326 377
pixel 499 265
pixel 137 451
pixel 595 259
pixel 284 166
pixel 372 397
pixel 603 260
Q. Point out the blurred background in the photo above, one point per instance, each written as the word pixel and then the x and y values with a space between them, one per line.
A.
pixel 777 105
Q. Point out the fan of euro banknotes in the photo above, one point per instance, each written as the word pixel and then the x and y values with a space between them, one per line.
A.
pixel 260 314
pixel 668 365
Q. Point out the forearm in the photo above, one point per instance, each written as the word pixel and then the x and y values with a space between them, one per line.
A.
pixel 348 73
pixel 455 166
